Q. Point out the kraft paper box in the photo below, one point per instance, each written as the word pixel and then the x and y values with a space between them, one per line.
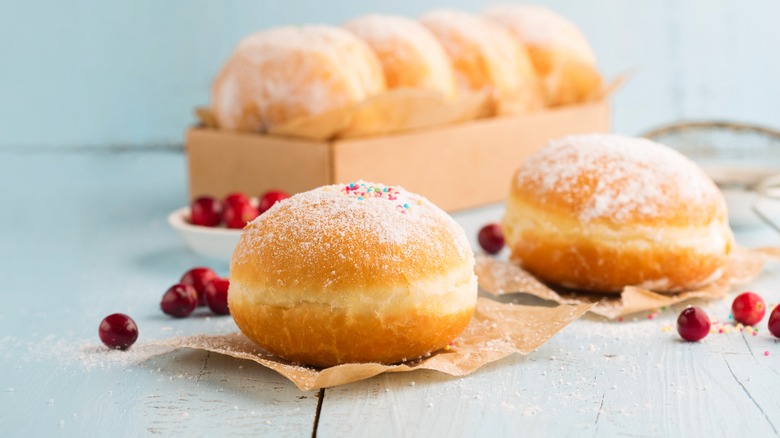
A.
pixel 456 166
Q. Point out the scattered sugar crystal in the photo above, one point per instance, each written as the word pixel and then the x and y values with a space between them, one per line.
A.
pixel 614 177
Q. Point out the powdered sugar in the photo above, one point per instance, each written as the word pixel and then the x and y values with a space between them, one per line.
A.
pixel 284 73
pixel 89 354
pixel 332 209
pixel 539 26
pixel 614 177
pixel 68 351
pixel 386 31
pixel 333 225
pixel 409 53
pixel 473 43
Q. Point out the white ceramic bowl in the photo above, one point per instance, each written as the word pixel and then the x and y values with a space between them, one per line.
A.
pixel 216 243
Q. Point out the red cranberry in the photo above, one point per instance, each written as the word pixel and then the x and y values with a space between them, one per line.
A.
pixel 216 296
pixel 693 324
pixel 774 322
pixel 491 238
pixel 238 215
pixel 205 211
pixel 748 308
pixel 235 198
pixel 270 198
pixel 118 331
pixel 199 278
pixel 179 300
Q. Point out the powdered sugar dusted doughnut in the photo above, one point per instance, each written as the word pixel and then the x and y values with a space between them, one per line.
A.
pixel 561 54
pixel 411 56
pixel 599 212
pixel 286 73
pixel 484 56
pixel 356 272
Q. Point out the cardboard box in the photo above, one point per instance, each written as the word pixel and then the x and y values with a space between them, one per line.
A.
pixel 455 166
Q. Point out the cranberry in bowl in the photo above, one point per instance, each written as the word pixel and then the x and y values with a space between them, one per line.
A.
pixel 211 226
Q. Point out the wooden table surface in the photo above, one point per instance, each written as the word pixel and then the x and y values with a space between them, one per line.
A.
pixel 84 235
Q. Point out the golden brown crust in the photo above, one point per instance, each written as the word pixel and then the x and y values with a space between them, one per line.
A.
pixel 612 179
pixel 601 212
pixel 410 54
pixel 570 81
pixel 600 258
pixel 315 334
pixel 558 50
pixel 332 253
pixel 338 275
pixel 487 57
pixel 577 199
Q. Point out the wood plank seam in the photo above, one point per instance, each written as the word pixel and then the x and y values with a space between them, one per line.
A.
pixel 774 429
pixel 320 398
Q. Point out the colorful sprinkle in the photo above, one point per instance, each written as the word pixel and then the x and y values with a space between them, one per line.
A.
pixel 363 191
pixel 766 353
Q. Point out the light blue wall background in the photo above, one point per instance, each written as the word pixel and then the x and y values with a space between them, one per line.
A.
pixel 129 72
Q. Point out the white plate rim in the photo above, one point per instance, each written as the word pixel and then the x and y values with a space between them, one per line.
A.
pixel 177 220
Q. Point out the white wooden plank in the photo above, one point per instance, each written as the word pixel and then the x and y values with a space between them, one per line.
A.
pixel 85 237
pixel 89 249
pixel 595 378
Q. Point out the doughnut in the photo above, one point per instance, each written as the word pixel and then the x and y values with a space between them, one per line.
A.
pixel 559 51
pixel 286 73
pixel 410 54
pixel 485 57
pixel 599 212
pixel 352 273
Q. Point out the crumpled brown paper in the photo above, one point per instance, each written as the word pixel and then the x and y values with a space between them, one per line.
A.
pixel 499 277
pixel 395 110
pixel 496 331
pixel 404 109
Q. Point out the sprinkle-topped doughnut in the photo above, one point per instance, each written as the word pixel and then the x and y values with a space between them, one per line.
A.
pixel 362 190
pixel 357 272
